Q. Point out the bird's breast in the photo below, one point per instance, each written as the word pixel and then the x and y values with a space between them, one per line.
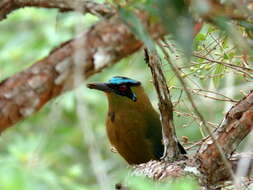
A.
pixel 127 133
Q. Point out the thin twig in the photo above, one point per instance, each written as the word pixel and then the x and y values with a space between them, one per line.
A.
pixel 222 63
pixel 224 159
pixel 197 143
pixel 171 150
pixel 194 117
pixel 235 67
pixel 198 90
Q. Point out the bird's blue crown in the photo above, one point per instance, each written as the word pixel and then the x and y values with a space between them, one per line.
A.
pixel 123 80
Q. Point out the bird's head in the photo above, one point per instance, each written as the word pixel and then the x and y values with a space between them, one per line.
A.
pixel 119 85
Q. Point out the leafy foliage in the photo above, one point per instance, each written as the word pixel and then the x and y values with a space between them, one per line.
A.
pixel 50 151
pixel 137 27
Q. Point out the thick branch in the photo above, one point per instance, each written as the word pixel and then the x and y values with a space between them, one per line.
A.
pixel 104 43
pixel 159 170
pixel 7 6
pixel 236 125
pixel 172 151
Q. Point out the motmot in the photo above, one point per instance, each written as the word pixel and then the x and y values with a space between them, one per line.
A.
pixel 132 124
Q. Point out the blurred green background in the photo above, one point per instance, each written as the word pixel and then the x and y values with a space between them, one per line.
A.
pixel 64 146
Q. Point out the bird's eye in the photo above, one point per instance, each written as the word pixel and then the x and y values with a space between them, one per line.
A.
pixel 123 88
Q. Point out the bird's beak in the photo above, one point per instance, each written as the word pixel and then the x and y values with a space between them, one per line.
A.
pixel 99 86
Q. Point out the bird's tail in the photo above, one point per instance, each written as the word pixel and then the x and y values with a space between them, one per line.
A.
pixel 181 148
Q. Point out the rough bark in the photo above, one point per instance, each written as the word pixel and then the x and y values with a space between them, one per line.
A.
pixel 160 170
pixel 236 125
pixel 84 6
pixel 172 151
pixel 104 44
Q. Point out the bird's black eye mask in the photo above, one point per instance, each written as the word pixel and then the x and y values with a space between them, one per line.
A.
pixel 118 85
pixel 123 90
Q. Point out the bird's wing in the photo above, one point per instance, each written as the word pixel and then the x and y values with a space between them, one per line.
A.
pixel 154 134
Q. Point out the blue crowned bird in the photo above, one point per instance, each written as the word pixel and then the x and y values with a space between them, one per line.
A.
pixel 133 126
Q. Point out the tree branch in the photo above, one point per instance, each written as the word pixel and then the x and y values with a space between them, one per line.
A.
pixel 236 125
pixel 104 43
pixel 159 170
pixel 98 9
pixel 170 142
pixel 223 158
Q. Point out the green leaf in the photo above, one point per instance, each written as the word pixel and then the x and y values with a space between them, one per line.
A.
pixel 223 23
pixel 248 26
pixel 231 55
pixel 225 56
pixel 177 21
pixel 137 27
pixel 200 37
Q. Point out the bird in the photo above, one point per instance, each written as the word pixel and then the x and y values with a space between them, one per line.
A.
pixel 133 126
